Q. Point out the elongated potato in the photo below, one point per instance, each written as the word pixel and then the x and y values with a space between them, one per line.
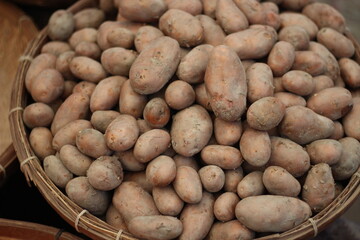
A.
pixel 310 62
pixel 101 119
pixel 161 171
pixel 319 187
pixel 337 43
pixel 82 35
pixel 89 18
pixel 56 171
pixel 122 133
pixel 295 5
pixel 289 155
pixel 63 64
pixel 278 181
pixel 167 200
pixel 38 115
pixel 139 11
pixel 201 213
pixel 290 99
pixel 350 72
pixel 74 160
pixel 231 230
pixel 145 35
pixel 86 139
pixel 129 162
pixel 253 11
pixel 171 23
pixel 191 130
pixel 230 17
pixel 350 121
pixel 87 69
pixel 296 36
pixel 155 65
pixel 121 37
pixel 40 139
pixel 303 125
pixel 225 157
pixel 232 179
pixel 61 25
pixel 260 82
pixel 227 133
pixel 187 185
pixel 55 47
pixel 155 227
pixel 227 98
pixel 298 82
pixel 213 33
pixel 224 206
pixel 251 185
pixel 257 213
pixel 186 161
pixel 130 102
pixel 322 82
pixel 47 86
pixel 88 49
pixel 194 7
pixel 281 58
pixel 132 201
pixel 339 130
pixel 118 60
pixel 298 19
pixel 139 178
pixel 327 151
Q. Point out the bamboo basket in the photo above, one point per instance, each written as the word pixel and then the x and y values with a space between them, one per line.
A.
pixel 93 227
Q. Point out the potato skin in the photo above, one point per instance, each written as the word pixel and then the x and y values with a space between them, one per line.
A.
pixel 201 96
pixel 156 113
pixel 260 82
pixel 87 69
pixel 310 62
pixel 86 139
pixel 38 115
pixel 83 35
pixel 129 162
pixel 145 35
pixel 257 213
pixel 337 43
pixel 155 227
pixel 132 201
pixel 227 98
pixel 296 36
pixel 227 133
pixel 224 206
pixel 333 103
pixel 290 99
pixel 100 120
pixel 350 121
pixel 171 23
pixel 187 185
pixel 140 11
pixel 213 33
pixel 161 171
pixel 155 65
pixel 350 72
pixel 281 58
pixel 298 82
pixel 56 171
pixel 230 17
pixel 253 11
pixel 47 86
pixel 191 130
pixel 131 102
pixel 251 185
pixel 167 200
pixel 194 7
pixel 84 87
pixel 226 157
pixel 82 193
pixel 232 179
pixel 327 151
pixel 121 37
pixel 186 161
pixel 40 139
pixel 114 218
pixel 319 187
pixel 61 25
pixel 212 178
pixel 89 18
pixel 179 95
pixel 278 181
pixel 201 213
pixel 74 160
pixel 139 178
pixel 232 230
pixel 298 19
pixel 118 60
pixel 302 125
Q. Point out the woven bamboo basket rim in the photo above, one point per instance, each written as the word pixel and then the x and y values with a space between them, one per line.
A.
pixel 92 226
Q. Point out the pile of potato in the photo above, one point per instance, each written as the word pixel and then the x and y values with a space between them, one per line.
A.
pixel 189 119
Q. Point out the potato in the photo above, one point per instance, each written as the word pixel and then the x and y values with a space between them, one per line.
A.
pixel 197 219
pixel 39 64
pixel 117 60
pixel 130 102
pixel 83 35
pixel 325 15
pixel 106 93
pixel 194 7
pixel 257 213
pixel 187 185
pixel 186 161
pixel 55 47
pixel 350 72
pixel 252 43
pixel 212 178
pixel 232 179
pixel 56 171
pixel 139 11
pixel 278 181
pixel 322 82
pixel 231 230
pixel 272 17
pixel 167 200
pixel 191 130
pixel 145 35
pixel 349 161
pixel 156 113
pixel 61 25
pixel 278 87
pixel 230 17
pixel 253 11
pixel 67 134
pixel 102 34
pixel 114 218
pixel 227 133
pixel 209 7
pixel 88 49
pixel 339 130
pixel 319 187
pixel 68 88
pixel 87 69
pixel 255 147
pixel 38 115
pixel 82 193
pixel 171 23
pixel 227 98
pixel 47 86
pixel 260 82
pixel 333 103
pixel 251 185
pixel 151 144
pixel 298 82
pixel 143 126
pixel 161 171
pixel 155 65
pixel 225 157
pixel 281 58
pixel 309 62
pixel 121 37
pixel 122 133
pixel 139 178
pixel 296 36
pixel 129 162
pixel 224 206
pixel 303 125
pixel 179 95
pixel 337 43
pixel 213 33
pixel 84 87
pixel 40 139
pixel 63 64
pixel 74 160
pixel 289 155
pixel 290 99
pixel 105 173
pixel 265 113
pixel 300 20
pixel 132 201
pixel 201 96
pixel 89 18
pixel 76 106
pixel 86 139
pixel 350 121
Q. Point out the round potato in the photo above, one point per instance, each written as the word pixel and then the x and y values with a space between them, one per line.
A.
pixel 161 171
pixel 296 36
pixel 179 95
pixel 310 62
pixel 281 58
pixel 118 60
pixel 47 86
pixel 298 82
pixel 212 178
pixel 86 139
pixel 61 25
pixel 167 200
pixel 227 133
pixel 38 115
pixel 156 113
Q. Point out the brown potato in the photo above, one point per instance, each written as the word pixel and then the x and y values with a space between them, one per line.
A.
pixel 74 160
pixel 40 139
pixel 143 126
pixel 232 230
pixel 47 86
pixel 227 133
pixel 290 99
pixel 187 185
pixel 322 82
pixel 155 65
pixel 327 151
pixel 278 87
pixel 139 178
pixel 186 161
pixel 225 157
pixel 350 121
pixel 145 35
pixel 61 25
pixel 224 206
pixel 289 155
pixel 121 37
pixel 84 87
pixel 212 178
pixel 298 19
pixel 139 11
pixel 89 18
pixel 114 218
pixel 87 69
pixel 281 58
pixel 131 102
pixel 295 5
pixel 298 82
pixel 68 88
pixel 194 7
pixel 38 115
pixel 56 171
pixel 171 23
pixel 118 60
pixel 129 162
pixel 101 119
pixel 230 17
pixel 259 81
pixel 253 10
pixel 156 113
pixel 278 181
pixel 251 185
pixel 55 47
pixel 350 72
pixel 63 64
pixel 296 36
pixel 161 171
pixel 232 179
pixel 88 49
pixel 201 96
pixel 167 200
pixel 83 35
pixel 209 7
pixel 339 130
pixel 213 33
pixel 179 95
pixel 86 139
pixel 310 62
pixel 337 43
